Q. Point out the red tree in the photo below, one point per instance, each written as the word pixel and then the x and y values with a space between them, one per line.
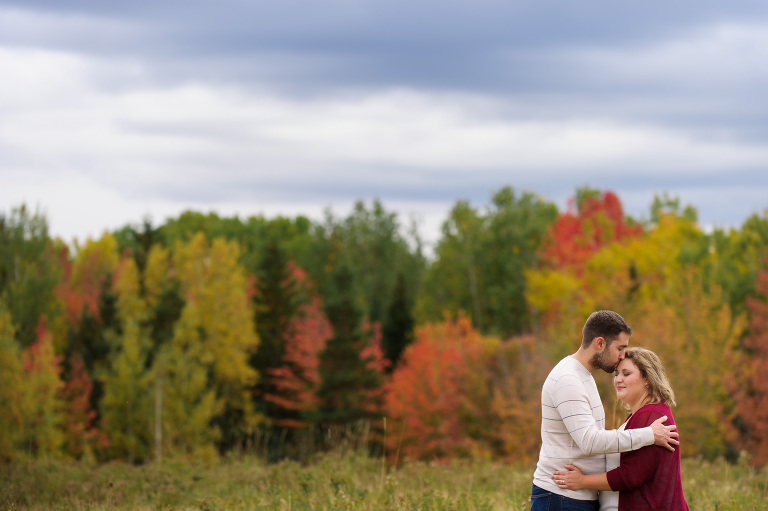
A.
pixel 80 431
pixel 83 278
pixel 752 394
pixel 297 380
pixel 590 223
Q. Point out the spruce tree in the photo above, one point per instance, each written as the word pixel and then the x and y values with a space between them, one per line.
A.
pixel 398 326
pixel 351 381
pixel 277 300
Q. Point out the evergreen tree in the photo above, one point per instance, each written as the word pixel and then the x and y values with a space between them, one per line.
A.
pixel 277 300
pixel 351 381
pixel 371 240
pixel 398 325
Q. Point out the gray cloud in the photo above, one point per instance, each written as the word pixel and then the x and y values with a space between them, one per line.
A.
pixel 160 106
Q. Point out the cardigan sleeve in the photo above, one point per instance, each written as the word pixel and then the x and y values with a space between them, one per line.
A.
pixel 638 466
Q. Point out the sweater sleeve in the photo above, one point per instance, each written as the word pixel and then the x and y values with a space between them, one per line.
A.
pixel 571 399
pixel 637 467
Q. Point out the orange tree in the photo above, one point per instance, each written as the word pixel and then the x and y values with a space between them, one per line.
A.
pixel 456 393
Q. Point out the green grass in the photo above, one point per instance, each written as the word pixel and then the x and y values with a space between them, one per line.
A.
pixel 332 482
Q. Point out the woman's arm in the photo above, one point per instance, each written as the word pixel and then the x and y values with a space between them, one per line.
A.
pixel 573 479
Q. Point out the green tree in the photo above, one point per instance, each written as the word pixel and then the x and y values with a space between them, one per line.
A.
pixel 481 261
pixel 517 223
pixel 277 301
pixel 29 271
pixel 372 242
pixel 397 333
pixel 451 283
pixel 666 205
pixel 739 257
pixel 351 382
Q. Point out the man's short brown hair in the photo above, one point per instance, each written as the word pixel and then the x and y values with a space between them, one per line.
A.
pixel 606 324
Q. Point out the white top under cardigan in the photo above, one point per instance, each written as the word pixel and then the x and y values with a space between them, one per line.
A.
pixel 609 500
pixel 573 429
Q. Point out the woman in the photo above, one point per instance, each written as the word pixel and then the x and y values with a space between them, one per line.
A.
pixel 648 478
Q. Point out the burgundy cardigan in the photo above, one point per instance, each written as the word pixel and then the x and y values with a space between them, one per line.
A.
pixel 649 478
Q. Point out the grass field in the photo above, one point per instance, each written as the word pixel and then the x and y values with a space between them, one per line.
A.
pixel 332 482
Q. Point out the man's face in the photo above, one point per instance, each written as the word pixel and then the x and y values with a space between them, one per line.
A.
pixel 608 359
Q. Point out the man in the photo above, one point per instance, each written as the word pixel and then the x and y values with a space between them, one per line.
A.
pixel 573 420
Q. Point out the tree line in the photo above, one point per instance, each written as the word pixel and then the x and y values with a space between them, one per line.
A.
pixel 207 335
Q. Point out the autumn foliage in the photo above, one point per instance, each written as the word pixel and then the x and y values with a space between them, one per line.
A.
pixel 297 380
pixel 752 393
pixel 81 434
pixel 433 398
pixel 208 335
pixel 595 221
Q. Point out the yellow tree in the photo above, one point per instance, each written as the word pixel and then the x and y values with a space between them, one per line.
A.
pixel 157 275
pixel 188 403
pixel 125 406
pixel 11 390
pixel 212 281
pixel 41 407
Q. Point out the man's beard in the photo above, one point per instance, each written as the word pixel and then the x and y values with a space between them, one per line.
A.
pixel 603 361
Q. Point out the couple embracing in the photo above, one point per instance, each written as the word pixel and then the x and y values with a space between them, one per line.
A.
pixel 584 467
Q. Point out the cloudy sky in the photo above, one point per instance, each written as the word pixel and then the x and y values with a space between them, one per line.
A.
pixel 114 111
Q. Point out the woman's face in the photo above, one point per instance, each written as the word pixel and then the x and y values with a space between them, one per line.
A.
pixel 629 383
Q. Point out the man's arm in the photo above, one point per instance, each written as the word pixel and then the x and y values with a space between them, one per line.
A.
pixel 572 402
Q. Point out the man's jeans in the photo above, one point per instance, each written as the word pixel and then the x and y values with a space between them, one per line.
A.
pixel 543 500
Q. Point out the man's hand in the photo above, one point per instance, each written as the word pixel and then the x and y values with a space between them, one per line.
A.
pixel 665 436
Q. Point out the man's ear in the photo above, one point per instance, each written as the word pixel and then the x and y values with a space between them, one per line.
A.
pixel 599 343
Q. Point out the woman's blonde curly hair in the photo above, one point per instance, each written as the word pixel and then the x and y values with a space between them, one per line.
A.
pixel 651 368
